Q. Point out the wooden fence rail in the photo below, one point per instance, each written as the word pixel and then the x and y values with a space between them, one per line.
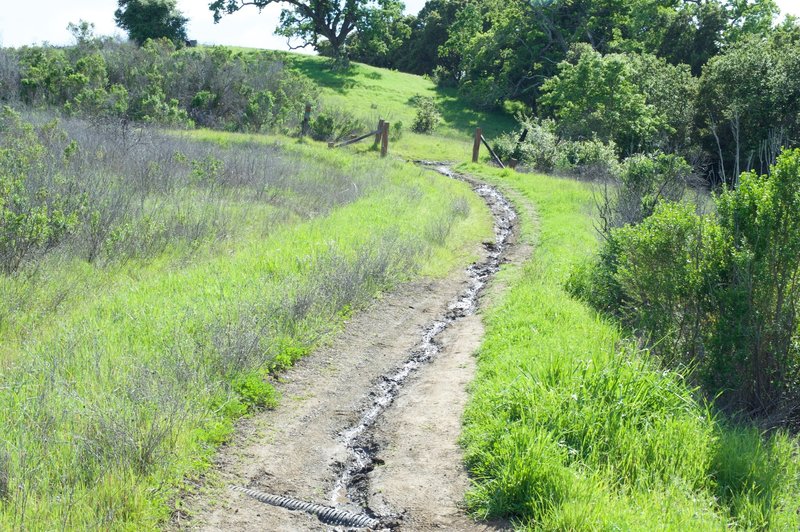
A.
pixel 381 137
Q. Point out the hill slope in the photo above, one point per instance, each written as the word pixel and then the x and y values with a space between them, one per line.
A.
pixel 372 93
pixel 569 426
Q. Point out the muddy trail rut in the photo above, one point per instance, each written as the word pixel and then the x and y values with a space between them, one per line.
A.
pixel 366 434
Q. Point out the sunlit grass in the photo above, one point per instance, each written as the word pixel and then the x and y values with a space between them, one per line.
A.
pixel 120 379
pixel 570 427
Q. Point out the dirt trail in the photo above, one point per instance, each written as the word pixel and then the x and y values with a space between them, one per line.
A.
pixel 369 424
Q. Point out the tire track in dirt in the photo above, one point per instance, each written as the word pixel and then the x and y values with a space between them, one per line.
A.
pixel 359 426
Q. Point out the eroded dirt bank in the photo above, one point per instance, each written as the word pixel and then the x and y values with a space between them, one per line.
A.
pixel 371 423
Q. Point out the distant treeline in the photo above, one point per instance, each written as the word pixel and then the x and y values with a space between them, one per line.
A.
pixel 716 81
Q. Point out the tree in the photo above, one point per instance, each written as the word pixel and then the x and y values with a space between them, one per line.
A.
pixel 595 95
pixel 82 32
pixel 430 31
pixel 317 23
pixel 378 41
pixel 151 19
pixel 749 105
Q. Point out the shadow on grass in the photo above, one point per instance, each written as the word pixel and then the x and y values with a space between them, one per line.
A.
pixel 464 119
pixel 320 71
pixel 454 111
pixel 752 473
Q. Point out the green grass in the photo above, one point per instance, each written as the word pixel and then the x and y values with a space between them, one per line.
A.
pixel 114 396
pixel 372 93
pixel 570 427
pixel 118 382
pixel 369 91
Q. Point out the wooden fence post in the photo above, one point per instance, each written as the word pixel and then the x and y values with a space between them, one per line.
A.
pixel 476 146
pixel 379 133
pixel 306 120
pixel 385 140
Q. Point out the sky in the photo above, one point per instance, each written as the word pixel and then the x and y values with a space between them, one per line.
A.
pixel 34 22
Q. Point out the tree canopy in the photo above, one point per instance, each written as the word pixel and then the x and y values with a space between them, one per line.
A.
pixel 151 19
pixel 321 24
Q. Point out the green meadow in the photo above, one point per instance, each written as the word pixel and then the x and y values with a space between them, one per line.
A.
pixel 123 366
pixel 121 377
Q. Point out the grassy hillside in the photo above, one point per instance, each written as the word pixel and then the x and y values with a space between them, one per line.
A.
pixel 120 376
pixel 373 93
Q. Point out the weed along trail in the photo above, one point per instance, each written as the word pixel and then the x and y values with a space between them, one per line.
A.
pixel 366 433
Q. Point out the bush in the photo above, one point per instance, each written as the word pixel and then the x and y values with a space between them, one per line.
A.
pixel 428 116
pixel 157 83
pixel 33 217
pixel 545 151
pixel 255 392
pixel 717 292
pixel 540 148
pixel 396 133
pixel 641 183
pixel 592 160
pixel 334 125
pixel 756 338
pixel 664 267
pixel 9 75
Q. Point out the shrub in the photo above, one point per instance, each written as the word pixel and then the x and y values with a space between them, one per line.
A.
pixel 254 391
pixel 539 149
pixel 9 75
pixel 396 133
pixel 335 124
pixel 442 77
pixel 32 218
pixel 641 183
pixel 157 83
pixel 665 267
pixel 718 292
pixel 592 159
pixel 756 339
pixel 536 143
pixel 484 94
pixel 428 116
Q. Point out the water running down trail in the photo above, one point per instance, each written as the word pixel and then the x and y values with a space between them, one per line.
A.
pixel 351 486
pixel 305 460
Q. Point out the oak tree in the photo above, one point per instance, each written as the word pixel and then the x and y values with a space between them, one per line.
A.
pixel 317 23
pixel 151 19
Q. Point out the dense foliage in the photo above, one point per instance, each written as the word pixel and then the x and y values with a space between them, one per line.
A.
pixel 713 81
pixel 151 19
pixel 719 292
pixel 157 83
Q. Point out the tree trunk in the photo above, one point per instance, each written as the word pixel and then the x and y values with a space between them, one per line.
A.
pixel 339 55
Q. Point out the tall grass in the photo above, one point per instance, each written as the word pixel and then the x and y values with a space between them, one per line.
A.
pixel 570 427
pixel 121 372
